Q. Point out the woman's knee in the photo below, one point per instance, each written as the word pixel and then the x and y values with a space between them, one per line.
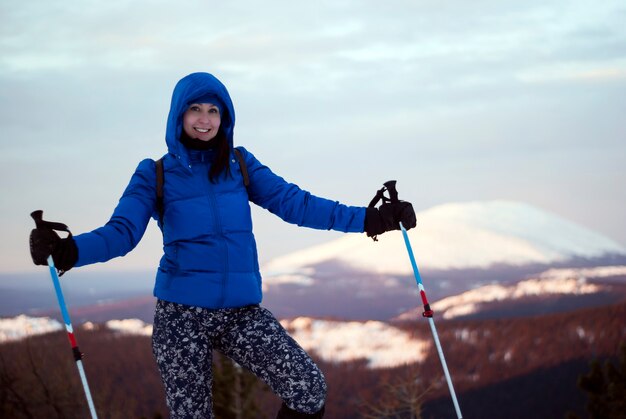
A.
pixel 308 395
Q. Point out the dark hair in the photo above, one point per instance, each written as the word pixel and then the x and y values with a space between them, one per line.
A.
pixel 222 156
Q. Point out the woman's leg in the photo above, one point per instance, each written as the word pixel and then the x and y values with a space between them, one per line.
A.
pixel 183 354
pixel 257 341
pixel 286 413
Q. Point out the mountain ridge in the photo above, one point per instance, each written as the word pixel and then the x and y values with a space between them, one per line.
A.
pixel 455 236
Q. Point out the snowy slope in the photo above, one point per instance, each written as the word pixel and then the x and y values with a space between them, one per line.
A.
pixel 455 236
pixel 551 282
pixel 380 344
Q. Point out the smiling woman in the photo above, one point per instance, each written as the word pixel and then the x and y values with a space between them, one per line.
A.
pixel 208 284
pixel 201 121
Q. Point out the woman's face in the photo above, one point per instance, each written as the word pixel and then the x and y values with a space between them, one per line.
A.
pixel 201 121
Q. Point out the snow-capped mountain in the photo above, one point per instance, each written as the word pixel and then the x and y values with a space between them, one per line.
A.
pixel 458 247
pixel 454 236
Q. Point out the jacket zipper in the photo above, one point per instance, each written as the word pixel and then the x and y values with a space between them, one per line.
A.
pixel 218 224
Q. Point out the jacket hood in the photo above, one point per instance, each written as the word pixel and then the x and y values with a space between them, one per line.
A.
pixel 187 90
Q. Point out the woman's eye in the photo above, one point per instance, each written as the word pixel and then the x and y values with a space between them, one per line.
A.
pixel 214 110
pixel 194 108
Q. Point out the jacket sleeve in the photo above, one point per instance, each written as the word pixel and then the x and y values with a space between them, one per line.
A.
pixel 127 224
pixel 297 206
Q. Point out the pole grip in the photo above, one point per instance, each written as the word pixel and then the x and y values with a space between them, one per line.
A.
pixel 393 192
pixel 41 223
pixel 38 217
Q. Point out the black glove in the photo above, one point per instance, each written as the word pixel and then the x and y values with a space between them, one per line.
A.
pixel 44 241
pixel 390 214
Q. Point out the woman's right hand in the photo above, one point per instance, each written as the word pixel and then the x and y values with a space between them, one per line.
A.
pixel 44 242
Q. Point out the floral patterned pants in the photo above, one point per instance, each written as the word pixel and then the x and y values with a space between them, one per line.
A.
pixel 183 340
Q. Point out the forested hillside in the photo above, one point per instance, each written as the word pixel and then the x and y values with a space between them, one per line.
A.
pixel 501 369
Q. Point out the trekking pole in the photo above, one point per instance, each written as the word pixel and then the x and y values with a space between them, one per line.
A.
pixel 37 216
pixel 428 313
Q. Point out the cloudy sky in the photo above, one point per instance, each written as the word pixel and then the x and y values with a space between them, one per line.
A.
pixel 458 101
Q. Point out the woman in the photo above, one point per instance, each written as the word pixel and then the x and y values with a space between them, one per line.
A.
pixel 208 285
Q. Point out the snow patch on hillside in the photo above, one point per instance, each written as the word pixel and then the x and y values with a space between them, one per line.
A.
pixel 596 272
pixel 468 302
pixel 455 236
pixel 130 326
pixel 22 326
pixel 380 344
pixel 551 282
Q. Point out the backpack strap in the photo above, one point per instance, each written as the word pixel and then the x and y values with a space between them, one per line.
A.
pixel 159 189
pixel 242 166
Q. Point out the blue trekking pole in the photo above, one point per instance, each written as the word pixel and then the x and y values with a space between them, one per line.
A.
pixel 428 313
pixel 40 223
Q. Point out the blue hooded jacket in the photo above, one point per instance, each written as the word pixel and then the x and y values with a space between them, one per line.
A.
pixel 210 256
